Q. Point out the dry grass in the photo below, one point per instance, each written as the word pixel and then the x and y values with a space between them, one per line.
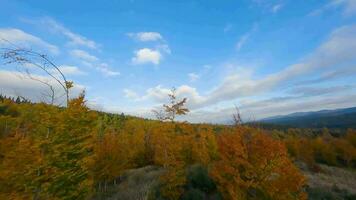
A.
pixel 332 183
pixel 331 177
pixel 137 184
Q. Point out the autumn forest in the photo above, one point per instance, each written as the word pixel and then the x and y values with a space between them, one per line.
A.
pixel 73 152
pixel 178 100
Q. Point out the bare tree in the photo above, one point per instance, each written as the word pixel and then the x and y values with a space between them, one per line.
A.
pixel 23 56
pixel 51 94
pixel 171 110
pixel 237 120
pixel 159 114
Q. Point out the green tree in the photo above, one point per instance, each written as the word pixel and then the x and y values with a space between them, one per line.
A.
pixel 71 152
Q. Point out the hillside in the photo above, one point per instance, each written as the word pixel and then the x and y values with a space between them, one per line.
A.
pixel 340 118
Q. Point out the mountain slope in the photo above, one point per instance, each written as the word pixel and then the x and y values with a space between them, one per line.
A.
pixel 338 118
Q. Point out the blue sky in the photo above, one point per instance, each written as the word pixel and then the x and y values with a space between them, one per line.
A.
pixel 268 57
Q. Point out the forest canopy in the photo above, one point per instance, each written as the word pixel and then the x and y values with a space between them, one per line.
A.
pixel 77 153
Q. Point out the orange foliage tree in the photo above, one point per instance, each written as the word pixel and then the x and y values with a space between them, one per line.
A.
pixel 253 165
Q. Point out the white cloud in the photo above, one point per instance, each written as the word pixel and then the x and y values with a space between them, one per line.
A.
pixel 193 96
pixel 159 94
pixel 307 99
pixel 254 110
pixel 338 50
pixel 104 68
pixel 242 41
pixel 14 83
pixel 92 61
pixel 348 6
pixel 147 55
pixel 338 73
pixel 164 48
pixel 315 91
pixel 193 77
pixel 108 72
pixel 276 8
pixel 284 105
pixel 71 70
pixel 269 5
pixel 19 37
pixel 146 36
pixel 75 39
pixel 83 55
pixel 131 94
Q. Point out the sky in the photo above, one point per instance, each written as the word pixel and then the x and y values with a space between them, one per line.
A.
pixel 267 57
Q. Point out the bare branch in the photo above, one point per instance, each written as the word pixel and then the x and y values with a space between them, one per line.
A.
pixel 237 120
pixel 22 56
pixel 51 94
pixel 159 114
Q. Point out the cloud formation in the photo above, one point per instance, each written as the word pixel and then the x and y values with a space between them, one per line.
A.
pixel 105 69
pixel 269 5
pixel 74 38
pixel 338 50
pixel 146 36
pixel 348 6
pixel 70 70
pixel 130 94
pixel 276 8
pixel 15 83
pixel 193 77
pixel 146 55
pixel 243 39
pixel 23 39
pixel 94 62
pixel 254 110
pixel 332 75
pixel 83 55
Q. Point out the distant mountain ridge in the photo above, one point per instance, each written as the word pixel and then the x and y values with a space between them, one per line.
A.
pixel 337 118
